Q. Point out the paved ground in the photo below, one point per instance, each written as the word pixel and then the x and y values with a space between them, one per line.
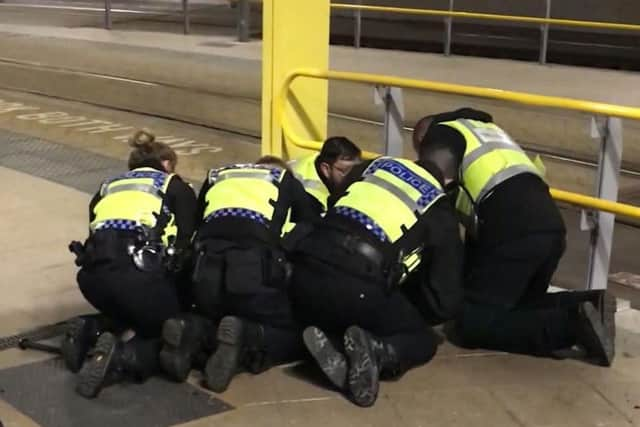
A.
pixel 46 207
pixel 54 152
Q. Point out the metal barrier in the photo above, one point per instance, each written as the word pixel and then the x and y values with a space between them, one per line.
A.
pixel 450 14
pixel 598 214
pixel 243 14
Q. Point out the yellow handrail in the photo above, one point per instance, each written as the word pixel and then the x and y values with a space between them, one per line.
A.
pixel 595 203
pixel 489 17
pixel 518 97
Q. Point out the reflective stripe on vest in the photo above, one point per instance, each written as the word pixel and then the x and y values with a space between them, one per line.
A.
pixel 393 194
pixel 491 157
pixel 133 200
pixel 243 190
pixel 305 171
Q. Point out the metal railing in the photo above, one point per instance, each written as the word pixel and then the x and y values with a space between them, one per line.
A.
pixel 243 14
pixel 448 15
pixel 598 212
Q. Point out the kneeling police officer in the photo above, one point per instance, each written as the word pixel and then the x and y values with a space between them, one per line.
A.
pixel 240 275
pixel 377 272
pixel 141 222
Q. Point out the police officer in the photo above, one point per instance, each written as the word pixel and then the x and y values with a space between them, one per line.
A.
pixel 376 273
pixel 240 275
pixel 515 236
pixel 140 222
pixel 321 174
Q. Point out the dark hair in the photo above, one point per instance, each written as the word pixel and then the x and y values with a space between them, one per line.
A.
pixel 273 160
pixel 445 147
pixel 147 152
pixel 338 148
pixel 419 131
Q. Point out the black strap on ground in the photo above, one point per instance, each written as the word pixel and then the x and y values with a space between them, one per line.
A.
pixel 37 334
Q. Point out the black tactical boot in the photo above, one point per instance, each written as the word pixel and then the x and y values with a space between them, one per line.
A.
pixel 236 337
pixel 183 338
pixel 102 367
pixel 82 334
pixel 607 305
pixel 594 335
pixel 368 359
pixel 325 351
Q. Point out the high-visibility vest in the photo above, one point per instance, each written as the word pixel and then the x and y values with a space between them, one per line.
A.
pixel 244 190
pixel 305 171
pixel 491 157
pixel 133 201
pixel 392 195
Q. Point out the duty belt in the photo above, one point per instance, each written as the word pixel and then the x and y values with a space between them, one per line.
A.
pixel 375 266
pixel 356 245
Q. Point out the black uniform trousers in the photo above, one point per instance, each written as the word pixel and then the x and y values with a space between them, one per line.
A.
pixel 333 299
pixel 507 306
pixel 236 287
pixel 138 300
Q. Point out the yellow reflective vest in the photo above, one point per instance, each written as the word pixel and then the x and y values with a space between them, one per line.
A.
pixel 491 157
pixel 133 201
pixel 305 171
pixel 393 194
pixel 244 190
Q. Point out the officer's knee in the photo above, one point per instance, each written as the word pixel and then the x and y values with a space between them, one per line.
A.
pixel 473 329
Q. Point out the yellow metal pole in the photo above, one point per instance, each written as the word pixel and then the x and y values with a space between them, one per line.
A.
pixel 296 34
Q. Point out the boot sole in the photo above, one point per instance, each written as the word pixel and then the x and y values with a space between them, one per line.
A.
pixel 222 365
pixel 331 361
pixel 363 368
pixel 72 352
pixel 93 374
pixel 610 307
pixel 598 333
pixel 176 363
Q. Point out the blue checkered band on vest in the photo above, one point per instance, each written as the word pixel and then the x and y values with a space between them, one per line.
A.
pixel 157 176
pixel 427 198
pixel 119 224
pixel 364 220
pixel 239 213
pixel 276 173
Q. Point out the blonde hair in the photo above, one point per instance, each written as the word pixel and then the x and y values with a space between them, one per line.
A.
pixel 149 152
pixel 273 161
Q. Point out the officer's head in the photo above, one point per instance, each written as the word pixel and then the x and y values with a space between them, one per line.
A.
pixel 443 147
pixel 273 161
pixel 147 152
pixel 336 159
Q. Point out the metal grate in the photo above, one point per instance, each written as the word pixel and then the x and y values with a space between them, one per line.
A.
pixel 55 162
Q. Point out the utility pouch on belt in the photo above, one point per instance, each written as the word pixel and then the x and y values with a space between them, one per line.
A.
pixel 208 273
pixel 278 270
pixel 291 239
pixel 245 271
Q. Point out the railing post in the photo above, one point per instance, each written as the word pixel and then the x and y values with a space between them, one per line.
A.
pixel 448 22
pixel 357 30
pixel 107 14
pixel 185 16
pixel 544 36
pixel 611 142
pixel 244 21
pixel 391 100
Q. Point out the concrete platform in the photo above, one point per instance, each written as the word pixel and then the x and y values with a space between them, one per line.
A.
pixel 459 388
pixel 209 79
pixel 151 78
